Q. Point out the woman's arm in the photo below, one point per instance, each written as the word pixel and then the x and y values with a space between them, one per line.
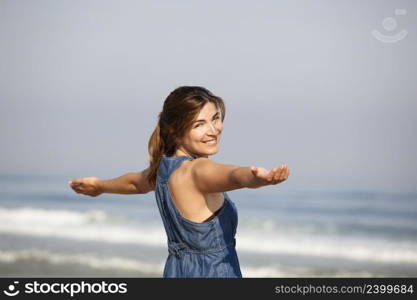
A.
pixel 130 183
pixel 140 182
pixel 211 177
pixel 125 184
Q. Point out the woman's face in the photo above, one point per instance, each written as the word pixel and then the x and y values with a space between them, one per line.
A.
pixel 203 138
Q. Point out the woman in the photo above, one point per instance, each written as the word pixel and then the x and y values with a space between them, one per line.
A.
pixel 200 219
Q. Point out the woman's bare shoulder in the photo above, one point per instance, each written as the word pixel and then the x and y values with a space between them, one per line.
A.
pixel 183 175
pixel 209 176
pixel 181 180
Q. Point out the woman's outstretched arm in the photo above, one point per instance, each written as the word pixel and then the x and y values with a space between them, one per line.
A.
pixel 211 177
pixel 130 183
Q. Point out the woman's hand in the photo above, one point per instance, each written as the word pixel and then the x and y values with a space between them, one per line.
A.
pixel 264 177
pixel 88 186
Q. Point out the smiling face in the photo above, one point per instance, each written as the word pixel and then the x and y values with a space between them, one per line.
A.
pixel 203 138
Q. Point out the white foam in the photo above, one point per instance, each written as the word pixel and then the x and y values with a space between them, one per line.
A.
pixel 84 259
pixel 95 226
pixel 336 246
pixel 84 226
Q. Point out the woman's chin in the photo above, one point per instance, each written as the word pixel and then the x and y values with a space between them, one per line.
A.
pixel 212 151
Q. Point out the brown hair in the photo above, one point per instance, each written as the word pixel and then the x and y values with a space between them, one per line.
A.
pixel 180 110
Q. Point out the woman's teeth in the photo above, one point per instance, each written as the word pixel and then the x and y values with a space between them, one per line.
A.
pixel 212 142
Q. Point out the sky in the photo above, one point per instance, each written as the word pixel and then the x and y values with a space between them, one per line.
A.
pixel 305 83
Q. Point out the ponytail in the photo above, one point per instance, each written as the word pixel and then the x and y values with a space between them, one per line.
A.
pixel 156 150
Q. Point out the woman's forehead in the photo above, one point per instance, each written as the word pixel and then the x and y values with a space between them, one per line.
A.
pixel 208 110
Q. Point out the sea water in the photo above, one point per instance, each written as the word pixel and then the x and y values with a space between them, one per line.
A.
pixel 46 229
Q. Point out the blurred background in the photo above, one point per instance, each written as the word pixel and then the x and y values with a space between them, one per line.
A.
pixel 328 88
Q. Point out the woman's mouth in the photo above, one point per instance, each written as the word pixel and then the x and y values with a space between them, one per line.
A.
pixel 211 142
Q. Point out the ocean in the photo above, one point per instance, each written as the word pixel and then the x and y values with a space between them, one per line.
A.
pixel 47 230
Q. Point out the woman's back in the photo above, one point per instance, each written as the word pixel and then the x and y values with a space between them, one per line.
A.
pixel 190 202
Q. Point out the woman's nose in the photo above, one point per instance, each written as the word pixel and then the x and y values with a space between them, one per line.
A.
pixel 213 128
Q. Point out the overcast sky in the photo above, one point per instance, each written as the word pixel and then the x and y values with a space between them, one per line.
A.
pixel 305 83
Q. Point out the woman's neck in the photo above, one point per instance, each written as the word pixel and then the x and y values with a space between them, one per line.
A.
pixel 182 152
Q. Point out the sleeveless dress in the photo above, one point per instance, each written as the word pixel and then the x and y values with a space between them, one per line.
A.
pixel 196 249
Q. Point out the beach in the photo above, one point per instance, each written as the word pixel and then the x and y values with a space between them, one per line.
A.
pixel 47 230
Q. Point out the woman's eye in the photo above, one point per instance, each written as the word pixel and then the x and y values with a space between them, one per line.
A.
pixel 215 118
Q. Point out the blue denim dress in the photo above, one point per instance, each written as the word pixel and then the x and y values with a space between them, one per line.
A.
pixel 196 249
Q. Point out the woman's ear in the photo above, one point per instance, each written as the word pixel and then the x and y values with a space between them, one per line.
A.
pixel 178 140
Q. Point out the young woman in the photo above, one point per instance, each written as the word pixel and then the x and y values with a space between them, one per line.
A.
pixel 200 219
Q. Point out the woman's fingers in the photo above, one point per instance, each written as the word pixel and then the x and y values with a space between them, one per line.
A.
pixel 281 174
pixel 271 174
pixel 278 174
pixel 285 174
pixel 77 189
pixel 75 182
pixel 288 173
pixel 76 185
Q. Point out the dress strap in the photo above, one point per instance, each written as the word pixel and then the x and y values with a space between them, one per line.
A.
pixel 169 164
